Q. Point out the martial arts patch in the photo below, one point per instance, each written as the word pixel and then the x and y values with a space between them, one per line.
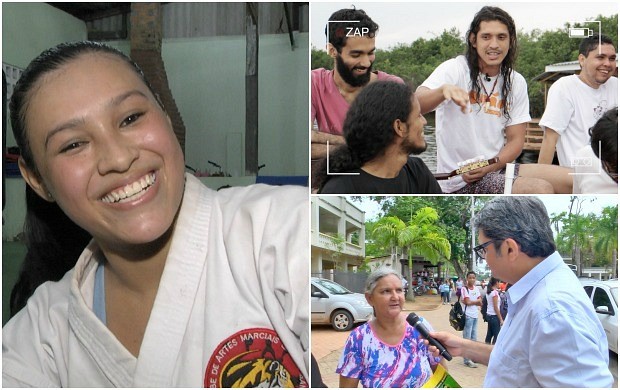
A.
pixel 252 358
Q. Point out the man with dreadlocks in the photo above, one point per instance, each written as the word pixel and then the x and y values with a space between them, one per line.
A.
pixel 482 110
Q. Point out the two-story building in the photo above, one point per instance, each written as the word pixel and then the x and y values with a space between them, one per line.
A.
pixel 338 236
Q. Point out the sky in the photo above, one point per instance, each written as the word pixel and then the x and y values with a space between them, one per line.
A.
pixel 404 22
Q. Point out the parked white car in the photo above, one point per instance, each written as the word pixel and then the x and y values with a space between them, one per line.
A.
pixel 604 297
pixel 333 304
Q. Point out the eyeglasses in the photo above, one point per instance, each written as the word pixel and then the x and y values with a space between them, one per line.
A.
pixel 481 250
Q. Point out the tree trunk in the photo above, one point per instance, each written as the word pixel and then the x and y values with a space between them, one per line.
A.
pixel 410 295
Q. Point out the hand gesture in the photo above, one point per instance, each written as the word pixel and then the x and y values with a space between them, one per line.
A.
pixel 458 95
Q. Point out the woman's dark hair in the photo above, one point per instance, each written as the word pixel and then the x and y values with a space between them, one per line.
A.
pixel 368 127
pixel 488 14
pixel 492 282
pixel 604 137
pixel 53 241
pixel 54 244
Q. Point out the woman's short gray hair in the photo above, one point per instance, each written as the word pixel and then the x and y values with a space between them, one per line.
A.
pixel 373 278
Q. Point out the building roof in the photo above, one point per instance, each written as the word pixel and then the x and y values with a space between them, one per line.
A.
pixel 554 72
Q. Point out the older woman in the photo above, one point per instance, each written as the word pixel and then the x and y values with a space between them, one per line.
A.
pixel 387 351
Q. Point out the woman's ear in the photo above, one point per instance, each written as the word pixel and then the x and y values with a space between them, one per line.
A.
pixel 368 298
pixel 34 181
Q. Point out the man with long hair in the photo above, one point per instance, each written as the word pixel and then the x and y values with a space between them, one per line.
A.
pixel 351 43
pixel 382 129
pixel 482 110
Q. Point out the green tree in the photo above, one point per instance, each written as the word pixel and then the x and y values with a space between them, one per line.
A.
pixel 420 235
pixel 385 235
pixel 320 59
pixel 423 237
pixel 454 213
pixel 606 239
pixel 415 61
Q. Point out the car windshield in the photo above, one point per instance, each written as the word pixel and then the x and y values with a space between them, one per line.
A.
pixel 333 288
pixel 614 293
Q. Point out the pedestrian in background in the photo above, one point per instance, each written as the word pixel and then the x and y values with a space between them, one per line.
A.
pixel 472 299
pixel 494 316
pixel 444 290
pixel 452 289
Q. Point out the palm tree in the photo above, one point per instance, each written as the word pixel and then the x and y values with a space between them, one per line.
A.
pixel 423 237
pixel 385 233
pixel 606 237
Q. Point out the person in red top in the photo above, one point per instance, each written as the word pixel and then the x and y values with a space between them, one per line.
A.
pixel 351 43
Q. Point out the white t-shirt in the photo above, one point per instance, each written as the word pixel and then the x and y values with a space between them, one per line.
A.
pixel 480 132
pixel 572 108
pixel 490 307
pixel 473 295
pixel 589 177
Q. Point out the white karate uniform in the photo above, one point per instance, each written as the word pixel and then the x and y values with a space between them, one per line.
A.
pixel 232 301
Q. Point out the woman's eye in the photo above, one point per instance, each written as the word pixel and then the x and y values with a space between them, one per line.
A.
pixel 131 119
pixel 71 146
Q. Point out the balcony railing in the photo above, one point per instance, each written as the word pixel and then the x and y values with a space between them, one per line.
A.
pixel 327 242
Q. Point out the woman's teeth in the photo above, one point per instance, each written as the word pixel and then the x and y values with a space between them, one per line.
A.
pixel 130 191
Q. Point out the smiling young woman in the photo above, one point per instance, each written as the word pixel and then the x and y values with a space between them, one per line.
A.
pixel 155 299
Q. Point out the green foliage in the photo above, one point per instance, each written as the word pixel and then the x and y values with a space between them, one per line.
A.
pixel 416 61
pixel 594 236
pixel 606 236
pixel 320 59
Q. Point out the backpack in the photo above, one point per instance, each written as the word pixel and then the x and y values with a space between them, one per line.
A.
pixel 485 304
pixel 457 316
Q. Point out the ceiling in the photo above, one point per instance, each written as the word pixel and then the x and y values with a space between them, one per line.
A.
pixel 92 11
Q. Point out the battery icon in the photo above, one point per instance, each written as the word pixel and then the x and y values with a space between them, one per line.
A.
pixel 580 32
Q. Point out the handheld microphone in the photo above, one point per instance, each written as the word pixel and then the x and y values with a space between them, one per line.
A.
pixel 415 321
pixel 487 77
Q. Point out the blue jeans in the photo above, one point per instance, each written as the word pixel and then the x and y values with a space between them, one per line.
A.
pixel 470 331
pixel 493 329
pixel 445 297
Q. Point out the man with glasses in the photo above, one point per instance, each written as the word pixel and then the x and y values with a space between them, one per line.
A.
pixel 594 177
pixel 552 336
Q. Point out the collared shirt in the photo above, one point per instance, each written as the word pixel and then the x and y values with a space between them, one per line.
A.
pixel 551 336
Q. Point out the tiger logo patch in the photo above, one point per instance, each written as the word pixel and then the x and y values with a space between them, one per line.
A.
pixel 252 358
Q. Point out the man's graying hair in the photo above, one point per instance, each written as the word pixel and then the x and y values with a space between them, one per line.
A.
pixel 522 218
pixel 373 278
